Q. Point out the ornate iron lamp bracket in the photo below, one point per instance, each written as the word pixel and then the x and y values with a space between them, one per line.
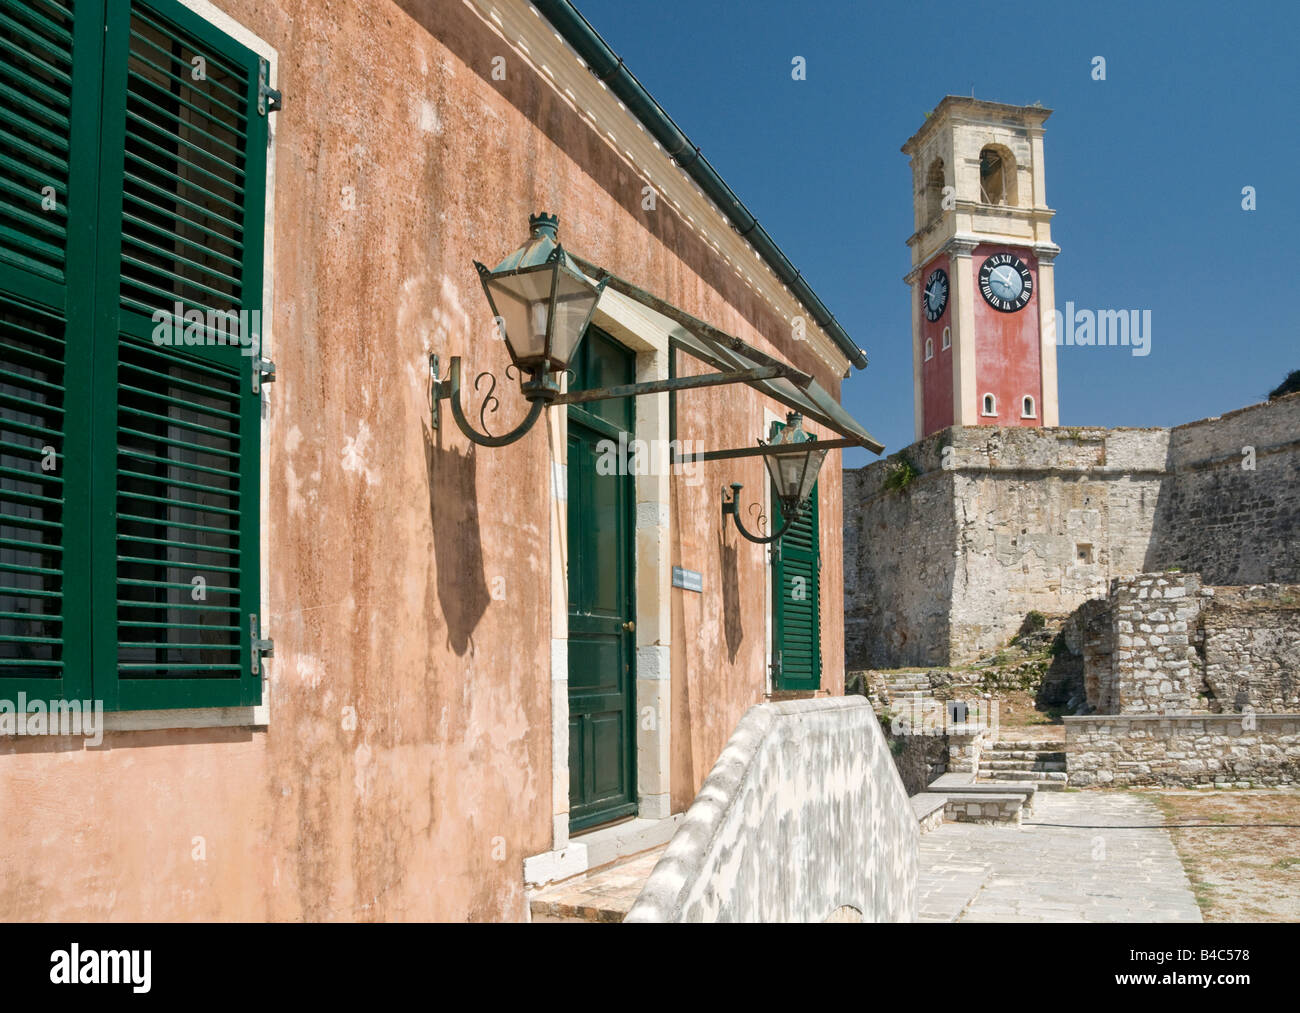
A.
pixel 732 507
pixel 449 389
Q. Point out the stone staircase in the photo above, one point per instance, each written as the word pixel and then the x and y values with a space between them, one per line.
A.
pixel 1040 762
pixel 899 689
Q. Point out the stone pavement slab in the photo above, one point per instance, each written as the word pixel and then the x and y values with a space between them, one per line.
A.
pixel 1089 856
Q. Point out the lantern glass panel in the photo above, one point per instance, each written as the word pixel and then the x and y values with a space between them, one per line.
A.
pixel 523 302
pixel 575 299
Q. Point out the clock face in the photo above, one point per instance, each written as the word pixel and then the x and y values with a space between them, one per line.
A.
pixel 1006 283
pixel 935 296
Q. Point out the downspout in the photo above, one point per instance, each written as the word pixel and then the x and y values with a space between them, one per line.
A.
pixel 608 67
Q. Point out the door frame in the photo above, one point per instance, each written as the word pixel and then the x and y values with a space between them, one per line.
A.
pixel 627 323
pixel 607 431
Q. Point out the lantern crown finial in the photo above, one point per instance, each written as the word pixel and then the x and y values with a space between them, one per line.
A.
pixel 543 224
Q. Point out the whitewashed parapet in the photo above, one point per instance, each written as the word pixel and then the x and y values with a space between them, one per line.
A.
pixel 802 818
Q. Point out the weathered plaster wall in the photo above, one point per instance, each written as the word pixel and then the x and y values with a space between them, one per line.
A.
pixel 1043 519
pixel 407 768
pixel 810 781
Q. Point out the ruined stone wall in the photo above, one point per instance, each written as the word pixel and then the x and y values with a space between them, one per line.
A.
pixel 1094 617
pixel 1155 667
pixel 945 569
pixel 1163 642
pixel 1228 750
pixel 1252 648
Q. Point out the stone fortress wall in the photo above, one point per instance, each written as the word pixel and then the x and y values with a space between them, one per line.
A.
pixel 998 522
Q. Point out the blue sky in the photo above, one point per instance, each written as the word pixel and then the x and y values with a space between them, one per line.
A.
pixel 1145 170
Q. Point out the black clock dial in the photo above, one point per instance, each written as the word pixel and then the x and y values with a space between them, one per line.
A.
pixel 935 297
pixel 1006 283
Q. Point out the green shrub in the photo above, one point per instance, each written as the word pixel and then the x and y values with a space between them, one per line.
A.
pixel 902 472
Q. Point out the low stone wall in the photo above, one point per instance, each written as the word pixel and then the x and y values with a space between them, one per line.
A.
pixel 1242 750
pixel 811 781
pixel 984 809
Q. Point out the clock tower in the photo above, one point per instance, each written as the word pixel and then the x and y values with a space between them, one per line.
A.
pixel 983 324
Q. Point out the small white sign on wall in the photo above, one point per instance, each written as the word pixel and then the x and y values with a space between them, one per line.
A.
pixel 688 580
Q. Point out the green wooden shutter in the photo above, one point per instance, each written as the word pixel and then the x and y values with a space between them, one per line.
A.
pixel 796 604
pixel 50 66
pixel 177 496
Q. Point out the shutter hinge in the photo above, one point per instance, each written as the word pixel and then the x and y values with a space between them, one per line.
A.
pixel 260 647
pixel 776 664
pixel 263 372
pixel 268 99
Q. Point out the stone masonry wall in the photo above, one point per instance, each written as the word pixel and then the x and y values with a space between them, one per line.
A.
pixel 1097 622
pixel 1163 642
pixel 899 589
pixel 1239 750
pixel 1232 523
pixel 1002 521
pixel 1251 648
pixel 1155 667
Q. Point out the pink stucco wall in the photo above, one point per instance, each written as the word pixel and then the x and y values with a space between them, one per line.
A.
pixel 385 537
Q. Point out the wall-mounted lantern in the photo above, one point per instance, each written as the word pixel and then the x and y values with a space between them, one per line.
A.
pixel 543 299
pixel 793 460
pixel 541 303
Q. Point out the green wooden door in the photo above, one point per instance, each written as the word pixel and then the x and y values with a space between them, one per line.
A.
pixel 796 601
pixel 602 714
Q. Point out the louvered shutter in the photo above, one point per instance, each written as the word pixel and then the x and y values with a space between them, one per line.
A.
pixel 177 497
pixel 796 605
pixel 49 116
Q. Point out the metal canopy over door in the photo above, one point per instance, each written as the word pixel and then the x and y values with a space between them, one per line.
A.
pixel 601 529
pixel 796 600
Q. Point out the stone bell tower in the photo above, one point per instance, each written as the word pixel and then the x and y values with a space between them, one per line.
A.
pixel 983 328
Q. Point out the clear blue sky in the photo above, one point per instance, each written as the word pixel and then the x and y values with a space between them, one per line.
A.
pixel 1145 170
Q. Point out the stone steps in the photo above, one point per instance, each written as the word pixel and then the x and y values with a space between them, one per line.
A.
pixel 1041 762
pixel 1018 764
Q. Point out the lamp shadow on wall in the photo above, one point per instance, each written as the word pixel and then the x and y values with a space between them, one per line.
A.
pixel 462 589
pixel 733 627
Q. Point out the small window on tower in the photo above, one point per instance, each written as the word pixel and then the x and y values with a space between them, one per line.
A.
pixel 947 337
pixel 997 176
pixel 990 405
pixel 929 349
pixel 934 191
pixel 1027 409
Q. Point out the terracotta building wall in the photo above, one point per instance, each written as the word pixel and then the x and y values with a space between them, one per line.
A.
pixel 1008 351
pixel 936 372
pixel 385 538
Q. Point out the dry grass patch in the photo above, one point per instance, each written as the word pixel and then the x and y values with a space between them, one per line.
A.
pixel 1241 850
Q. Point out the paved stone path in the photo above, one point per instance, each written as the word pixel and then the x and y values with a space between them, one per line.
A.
pixel 1087 856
